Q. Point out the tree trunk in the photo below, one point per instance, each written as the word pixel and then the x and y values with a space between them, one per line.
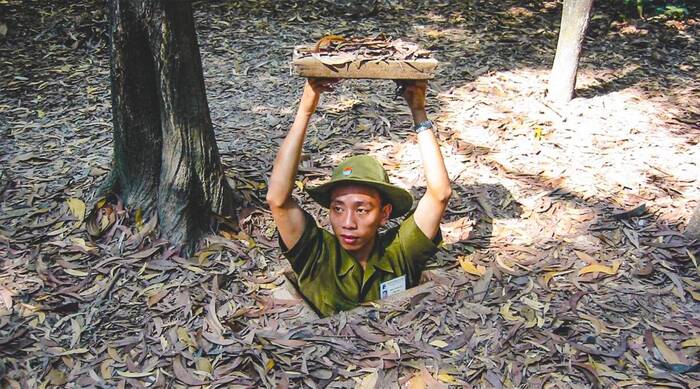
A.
pixel 692 230
pixel 166 160
pixel 574 20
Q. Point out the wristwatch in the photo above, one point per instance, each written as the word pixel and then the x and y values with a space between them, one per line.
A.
pixel 422 126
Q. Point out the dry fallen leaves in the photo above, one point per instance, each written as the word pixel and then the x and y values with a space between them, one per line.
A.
pixel 511 310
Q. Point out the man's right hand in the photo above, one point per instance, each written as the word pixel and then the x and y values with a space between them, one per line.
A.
pixel 312 92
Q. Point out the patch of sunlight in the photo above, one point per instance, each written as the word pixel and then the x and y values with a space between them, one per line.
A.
pixel 272 110
pixel 435 32
pixel 435 17
pixel 340 105
pixel 620 148
pixel 519 12
pixel 516 231
pixel 610 146
pixel 403 163
pixel 630 29
pixel 568 223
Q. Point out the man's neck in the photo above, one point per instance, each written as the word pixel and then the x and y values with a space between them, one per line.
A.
pixel 362 255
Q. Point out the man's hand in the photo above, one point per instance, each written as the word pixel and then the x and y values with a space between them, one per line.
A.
pixel 312 93
pixel 414 94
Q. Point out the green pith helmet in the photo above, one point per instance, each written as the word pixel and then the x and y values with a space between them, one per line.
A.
pixel 365 170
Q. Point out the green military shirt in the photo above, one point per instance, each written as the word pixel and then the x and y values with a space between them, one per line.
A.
pixel 332 280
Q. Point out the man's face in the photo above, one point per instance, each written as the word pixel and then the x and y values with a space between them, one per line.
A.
pixel 356 213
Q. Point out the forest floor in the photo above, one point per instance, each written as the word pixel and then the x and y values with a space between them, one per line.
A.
pixel 563 264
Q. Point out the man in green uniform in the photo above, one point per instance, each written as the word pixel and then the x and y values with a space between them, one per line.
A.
pixel 355 264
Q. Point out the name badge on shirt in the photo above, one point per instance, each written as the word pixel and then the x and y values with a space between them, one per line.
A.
pixel 392 287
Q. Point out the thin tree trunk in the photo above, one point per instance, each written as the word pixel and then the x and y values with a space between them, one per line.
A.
pixel 692 230
pixel 574 20
pixel 165 155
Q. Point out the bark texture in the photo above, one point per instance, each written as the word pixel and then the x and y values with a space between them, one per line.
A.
pixel 165 155
pixel 692 231
pixel 574 21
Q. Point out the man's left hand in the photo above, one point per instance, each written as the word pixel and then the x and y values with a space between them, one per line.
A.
pixel 414 93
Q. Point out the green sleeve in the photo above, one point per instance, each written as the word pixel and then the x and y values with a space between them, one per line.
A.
pixel 416 248
pixel 307 252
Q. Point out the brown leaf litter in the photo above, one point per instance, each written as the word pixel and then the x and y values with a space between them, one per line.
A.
pixel 564 265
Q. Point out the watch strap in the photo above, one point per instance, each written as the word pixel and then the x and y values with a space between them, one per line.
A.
pixel 422 126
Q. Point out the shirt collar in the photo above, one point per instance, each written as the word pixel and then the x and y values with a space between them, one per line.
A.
pixel 347 264
pixel 376 259
pixel 382 263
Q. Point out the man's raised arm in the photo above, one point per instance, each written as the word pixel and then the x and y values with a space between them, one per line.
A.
pixel 432 205
pixel 287 214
